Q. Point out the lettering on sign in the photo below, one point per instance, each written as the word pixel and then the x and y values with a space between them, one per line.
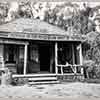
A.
pixel 52 37
pixel 38 36
pixel 36 30
pixel 13 35
pixel 28 30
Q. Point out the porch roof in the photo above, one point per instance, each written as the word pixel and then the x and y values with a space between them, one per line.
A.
pixel 32 26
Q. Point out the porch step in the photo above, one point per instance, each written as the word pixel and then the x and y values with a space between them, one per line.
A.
pixel 35 79
pixel 43 79
pixel 43 82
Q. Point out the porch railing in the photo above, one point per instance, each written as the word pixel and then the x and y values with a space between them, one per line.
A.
pixel 72 67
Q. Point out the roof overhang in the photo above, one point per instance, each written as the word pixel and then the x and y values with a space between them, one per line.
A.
pixel 37 36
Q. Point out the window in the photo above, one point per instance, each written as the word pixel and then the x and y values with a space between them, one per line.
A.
pixel 64 53
pixel 21 52
pixel 10 54
pixel 34 55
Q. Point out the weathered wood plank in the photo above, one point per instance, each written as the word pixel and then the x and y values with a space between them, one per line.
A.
pixel 43 78
pixel 73 54
pixel 56 57
pixel 32 75
pixel 80 52
pixel 46 82
pixel 9 41
pixel 25 58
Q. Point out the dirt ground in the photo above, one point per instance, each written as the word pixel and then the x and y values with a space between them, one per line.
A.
pixel 61 91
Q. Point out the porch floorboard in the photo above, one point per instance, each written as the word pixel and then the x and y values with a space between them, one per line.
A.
pixel 32 75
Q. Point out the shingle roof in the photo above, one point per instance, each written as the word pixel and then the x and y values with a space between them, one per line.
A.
pixel 25 28
pixel 31 26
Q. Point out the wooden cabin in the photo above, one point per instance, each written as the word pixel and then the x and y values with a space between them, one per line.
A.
pixel 30 46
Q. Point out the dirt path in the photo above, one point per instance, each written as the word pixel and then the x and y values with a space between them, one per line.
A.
pixel 65 90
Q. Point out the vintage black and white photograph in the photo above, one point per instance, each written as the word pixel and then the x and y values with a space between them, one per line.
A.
pixel 49 50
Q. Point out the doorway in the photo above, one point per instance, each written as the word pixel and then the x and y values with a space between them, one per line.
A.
pixel 44 56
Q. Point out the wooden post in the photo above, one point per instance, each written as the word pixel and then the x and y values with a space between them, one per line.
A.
pixel 2 55
pixel 73 53
pixel 81 58
pixel 51 59
pixel 2 66
pixel 25 58
pixel 62 70
pixel 56 58
pixel 80 53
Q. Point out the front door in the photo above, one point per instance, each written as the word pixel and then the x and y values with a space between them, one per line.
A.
pixel 44 52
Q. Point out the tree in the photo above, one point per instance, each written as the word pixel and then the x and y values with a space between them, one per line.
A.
pixel 25 10
pixel 3 12
pixel 91 48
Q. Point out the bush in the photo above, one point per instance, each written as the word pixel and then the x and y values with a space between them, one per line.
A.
pixel 92 70
pixel 19 81
pixel 92 80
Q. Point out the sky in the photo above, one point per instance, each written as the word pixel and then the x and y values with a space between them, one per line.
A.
pixel 91 4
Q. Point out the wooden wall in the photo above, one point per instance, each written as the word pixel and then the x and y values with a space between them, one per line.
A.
pixel 1 54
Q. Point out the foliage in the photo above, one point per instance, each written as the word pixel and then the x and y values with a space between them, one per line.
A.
pixel 93 54
pixel 67 16
pixel 3 11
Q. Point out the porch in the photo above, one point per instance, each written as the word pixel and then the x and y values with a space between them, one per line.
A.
pixel 42 60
